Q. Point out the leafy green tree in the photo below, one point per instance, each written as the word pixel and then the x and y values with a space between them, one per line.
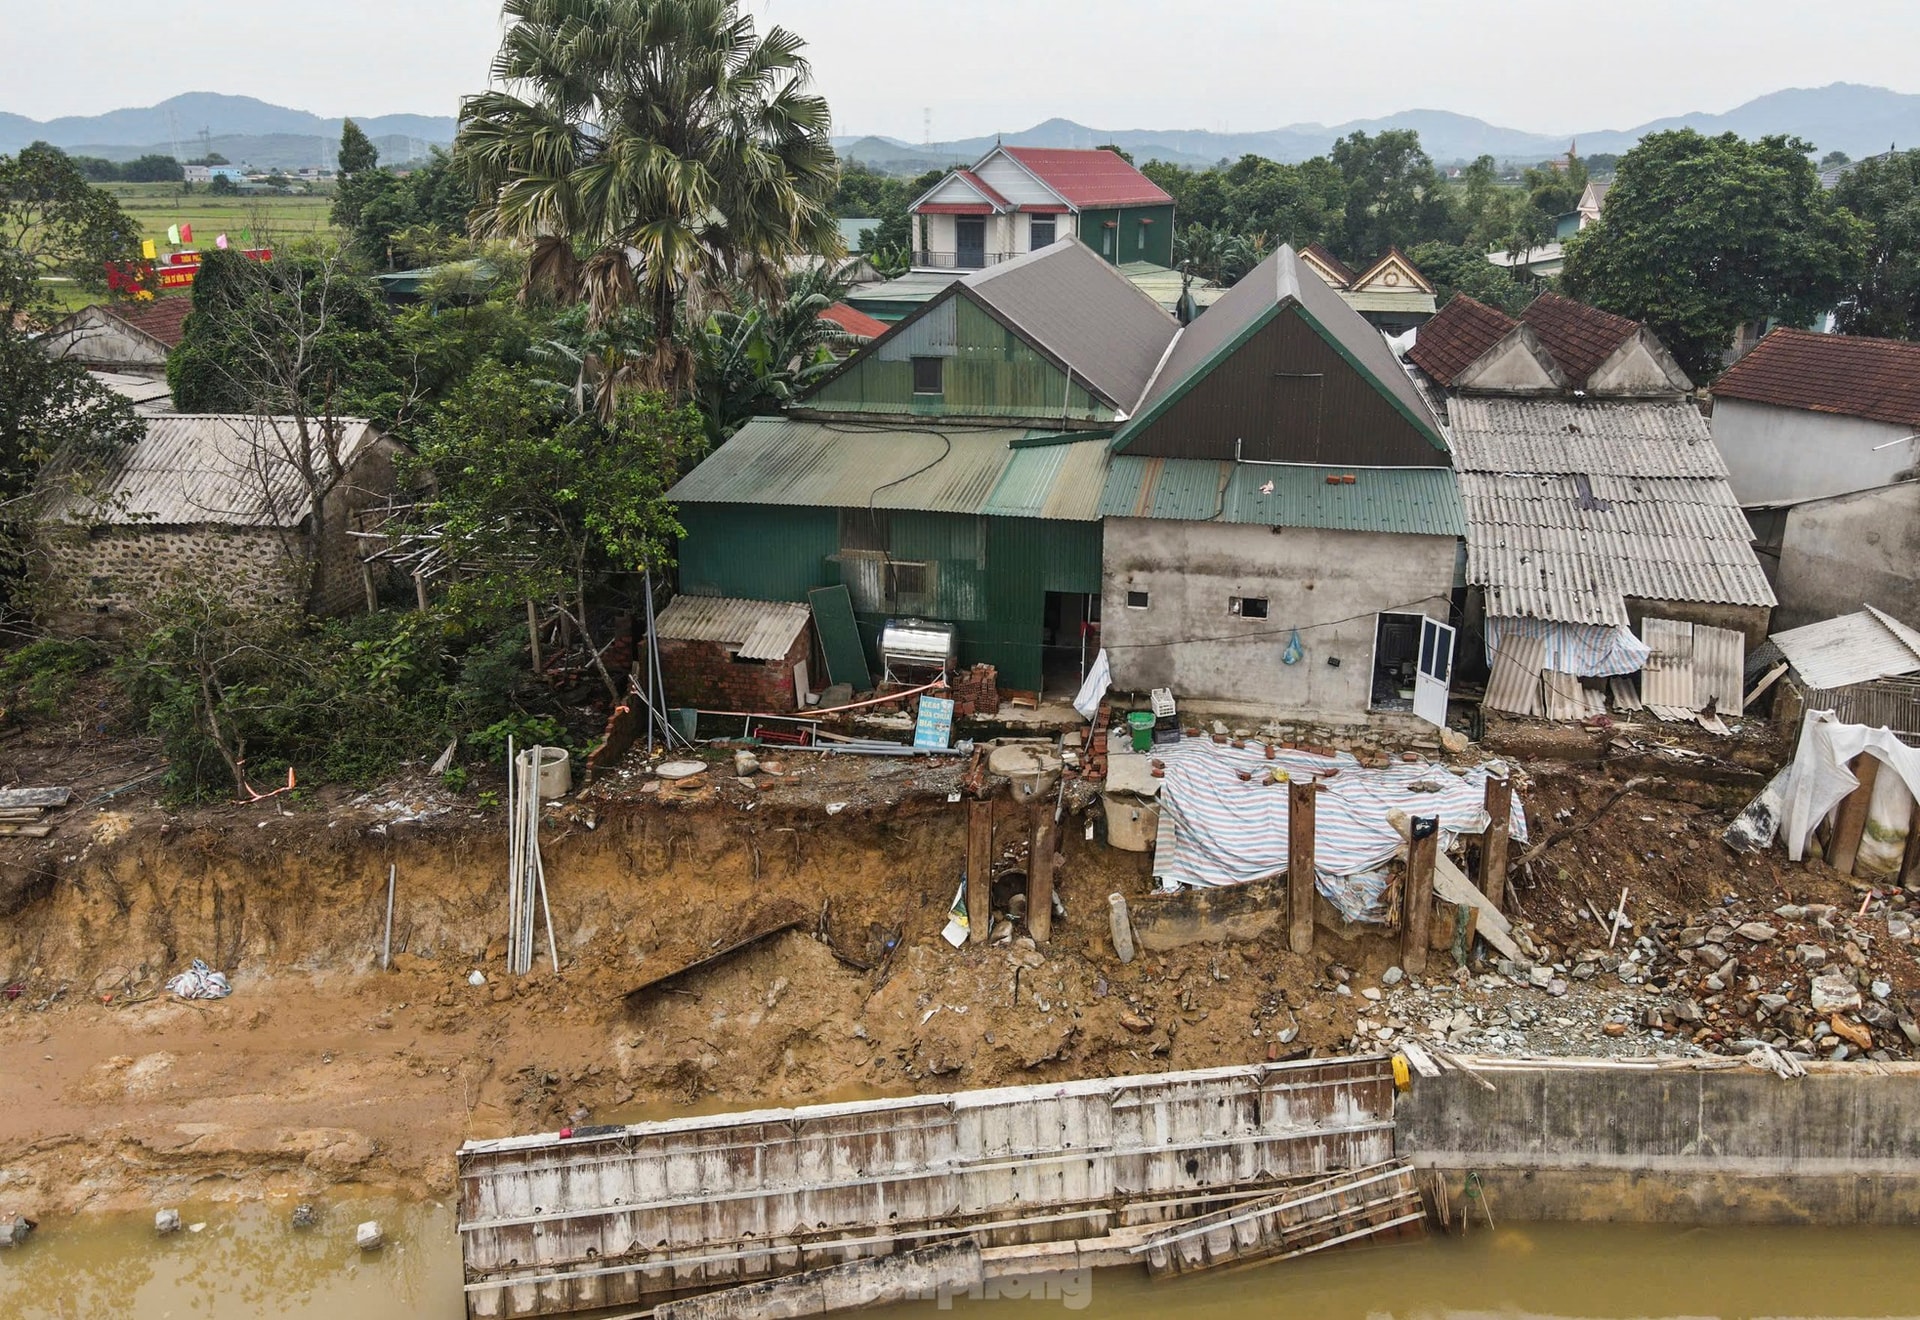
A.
pixel 1884 191
pixel 153 169
pixel 97 170
pixel 357 152
pixel 222 186
pixel 1702 235
pixel 1835 159
pixel 1394 196
pixel 753 359
pixel 397 222
pixel 1465 269
pixel 645 147
pixel 1297 204
pixel 58 223
pixel 537 501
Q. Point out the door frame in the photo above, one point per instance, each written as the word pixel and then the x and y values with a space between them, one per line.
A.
pixel 1426 658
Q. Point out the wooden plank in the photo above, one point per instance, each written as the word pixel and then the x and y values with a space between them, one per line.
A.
pixel 35 797
pixel 1493 845
pixel 27 831
pixel 781 921
pixel 1910 860
pixel 1851 822
pixel 1417 919
pixel 979 870
pixel 1300 798
pixel 1040 875
pixel 1451 883
pixel 1772 676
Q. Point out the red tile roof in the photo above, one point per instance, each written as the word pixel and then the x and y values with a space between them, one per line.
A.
pixel 1091 178
pixel 1457 337
pixel 1877 379
pixel 163 318
pixel 854 321
pixel 1579 337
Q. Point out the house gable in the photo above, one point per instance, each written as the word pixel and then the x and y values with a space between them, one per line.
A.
pixel 1641 367
pixel 1393 273
pixel 1016 183
pixel 988 370
pixel 1329 268
pixel 1517 364
pixel 960 193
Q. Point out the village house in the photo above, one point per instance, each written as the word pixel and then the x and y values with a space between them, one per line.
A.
pixel 1863 666
pixel 212 499
pixel 1391 294
pixel 950 471
pixel 1603 538
pixel 1281 521
pixel 127 337
pixel 1821 437
pixel 1016 200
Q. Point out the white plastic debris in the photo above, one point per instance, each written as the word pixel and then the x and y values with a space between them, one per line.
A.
pixel 476 977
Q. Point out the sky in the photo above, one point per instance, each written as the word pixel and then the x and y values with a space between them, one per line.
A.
pixel 1003 65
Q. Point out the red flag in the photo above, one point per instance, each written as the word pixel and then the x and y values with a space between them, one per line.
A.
pixel 186 233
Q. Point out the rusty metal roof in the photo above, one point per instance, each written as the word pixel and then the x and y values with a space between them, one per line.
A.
pixel 930 468
pixel 228 470
pixel 1421 501
pixel 1573 507
pixel 752 629
pixel 1854 648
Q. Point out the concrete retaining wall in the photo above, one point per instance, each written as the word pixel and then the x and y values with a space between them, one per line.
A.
pixel 1840 1146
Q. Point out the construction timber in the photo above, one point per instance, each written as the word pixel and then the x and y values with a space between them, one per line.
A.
pixel 1074 1174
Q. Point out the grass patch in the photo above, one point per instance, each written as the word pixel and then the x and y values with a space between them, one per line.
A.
pixel 37 680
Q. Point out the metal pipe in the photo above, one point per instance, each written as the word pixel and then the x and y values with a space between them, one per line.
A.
pixel 386 945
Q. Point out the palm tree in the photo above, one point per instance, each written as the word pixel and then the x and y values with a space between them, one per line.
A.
pixel 649 151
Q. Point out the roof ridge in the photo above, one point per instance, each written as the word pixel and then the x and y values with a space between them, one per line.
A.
pixel 1909 637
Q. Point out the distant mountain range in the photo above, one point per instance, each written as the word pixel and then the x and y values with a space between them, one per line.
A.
pixel 1843 116
pixel 241 128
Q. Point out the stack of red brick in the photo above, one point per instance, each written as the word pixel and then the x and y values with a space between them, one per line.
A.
pixel 975 692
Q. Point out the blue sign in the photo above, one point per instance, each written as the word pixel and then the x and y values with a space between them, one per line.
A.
pixel 934 727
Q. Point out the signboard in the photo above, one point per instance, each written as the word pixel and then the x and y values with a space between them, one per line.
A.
pixel 934 727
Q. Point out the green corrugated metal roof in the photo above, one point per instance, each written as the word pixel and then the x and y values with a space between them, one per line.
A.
pixel 846 465
pixel 1424 501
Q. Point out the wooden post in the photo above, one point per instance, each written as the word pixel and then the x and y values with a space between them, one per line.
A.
pixel 979 870
pixel 420 592
pixel 1851 823
pixel 1040 875
pixel 1300 795
pixel 366 581
pixel 533 635
pixel 1493 844
pixel 1910 863
pixel 1417 914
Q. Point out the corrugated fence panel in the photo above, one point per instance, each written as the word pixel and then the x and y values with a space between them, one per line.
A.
pixel 546 1226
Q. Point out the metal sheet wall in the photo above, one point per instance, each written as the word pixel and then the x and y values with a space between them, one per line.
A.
pixel 1346 420
pixel 757 552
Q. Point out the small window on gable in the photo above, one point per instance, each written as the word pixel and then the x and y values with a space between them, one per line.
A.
pixel 1137 600
pixel 1248 607
pixel 929 376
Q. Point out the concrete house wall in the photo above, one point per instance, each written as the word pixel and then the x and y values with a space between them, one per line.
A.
pixel 1789 455
pixel 1187 640
pixel 1855 549
pixel 100 340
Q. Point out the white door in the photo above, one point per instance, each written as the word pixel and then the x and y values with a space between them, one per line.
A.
pixel 1434 673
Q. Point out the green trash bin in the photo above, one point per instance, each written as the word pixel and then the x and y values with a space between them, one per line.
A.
pixel 1140 724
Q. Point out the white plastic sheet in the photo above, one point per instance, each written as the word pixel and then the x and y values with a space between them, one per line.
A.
pixel 1814 782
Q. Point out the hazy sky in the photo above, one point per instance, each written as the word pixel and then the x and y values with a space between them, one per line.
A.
pixel 1006 64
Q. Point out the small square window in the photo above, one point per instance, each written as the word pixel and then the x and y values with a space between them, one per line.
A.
pixel 908 579
pixel 1137 600
pixel 1248 607
pixel 928 376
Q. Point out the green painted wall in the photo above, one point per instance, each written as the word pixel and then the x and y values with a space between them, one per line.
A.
pixel 989 372
pixel 1133 240
pixel 991 575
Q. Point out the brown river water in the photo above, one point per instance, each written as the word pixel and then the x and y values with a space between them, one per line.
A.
pixel 248 1262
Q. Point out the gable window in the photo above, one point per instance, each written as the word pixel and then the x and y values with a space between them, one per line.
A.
pixel 1248 607
pixel 1137 600
pixel 1040 232
pixel 929 376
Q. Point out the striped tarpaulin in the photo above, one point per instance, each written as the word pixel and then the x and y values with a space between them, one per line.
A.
pixel 1217 829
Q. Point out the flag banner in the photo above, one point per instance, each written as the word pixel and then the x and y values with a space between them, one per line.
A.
pixel 148 250
pixel 173 234
pixel 221 242
pixel 186 233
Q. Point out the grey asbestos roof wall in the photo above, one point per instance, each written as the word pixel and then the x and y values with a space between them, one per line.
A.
pixel 1085 312
pixel 1573 507
pixel 755 629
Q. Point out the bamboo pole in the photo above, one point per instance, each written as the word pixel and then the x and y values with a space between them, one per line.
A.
pixel 1300 799
pixel 386 945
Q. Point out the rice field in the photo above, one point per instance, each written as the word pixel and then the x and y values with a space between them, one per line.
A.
pixel 270 219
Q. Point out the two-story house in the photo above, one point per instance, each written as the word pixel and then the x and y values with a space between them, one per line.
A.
pixel 1016 200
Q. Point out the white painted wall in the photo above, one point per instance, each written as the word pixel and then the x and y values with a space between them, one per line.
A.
pixel 1012 181
pixel 1316 580
pixel 1853 550
pixel 1787 455
pixel 99 340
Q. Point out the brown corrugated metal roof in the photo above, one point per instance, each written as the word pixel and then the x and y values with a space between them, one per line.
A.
pixel 752 629
pixel 1082 310
pixel 1574 507
pixel 222 469
pixel 1877 379
pixel 1579 337
pixel 1458 337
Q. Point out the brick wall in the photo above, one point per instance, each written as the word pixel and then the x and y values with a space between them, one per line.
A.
pixel 703 674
